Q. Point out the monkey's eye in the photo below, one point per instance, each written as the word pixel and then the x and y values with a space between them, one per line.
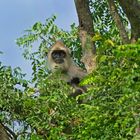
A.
pixel 63 54
pixel 58 54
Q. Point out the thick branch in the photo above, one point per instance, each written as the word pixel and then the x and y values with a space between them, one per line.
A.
pixel 132 10
pixel 117 19
pixel 86 32
pixel 85 17
pixel 3 134
pixel 88 58
pixel 6 133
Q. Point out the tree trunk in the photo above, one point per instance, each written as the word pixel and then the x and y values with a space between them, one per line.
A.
pixel 132 10
pixel 84 16
pixel 86 32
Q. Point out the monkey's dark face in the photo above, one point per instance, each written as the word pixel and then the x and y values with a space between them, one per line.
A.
pixel 58 56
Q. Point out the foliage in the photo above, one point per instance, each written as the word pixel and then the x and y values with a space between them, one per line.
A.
pixel 43 109
pixel 42 35
pixel 103 22
pixel 114 106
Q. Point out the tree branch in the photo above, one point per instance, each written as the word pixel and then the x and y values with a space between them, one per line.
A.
pixel 132 10
pixel 88 58
pixel 3 133
pixel 6 133
pixel 84 15
pixel 86 33
pixel 119 24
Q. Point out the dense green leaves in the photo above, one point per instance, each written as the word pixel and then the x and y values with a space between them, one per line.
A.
pixel 103 21
pixel 115 93
pixel 110 111
pixel 42 107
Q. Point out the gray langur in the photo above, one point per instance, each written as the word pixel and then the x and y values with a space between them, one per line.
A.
pixel 59 58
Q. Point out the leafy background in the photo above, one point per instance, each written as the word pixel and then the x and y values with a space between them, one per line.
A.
pixel 40 108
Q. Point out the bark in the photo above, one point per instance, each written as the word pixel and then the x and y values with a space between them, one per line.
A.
pixel 86 32
pixel 137 130
pixel 88 58
pixel 132 10
pixel 119 24
pixel 3 133
pixel 84 16
pixel 6 133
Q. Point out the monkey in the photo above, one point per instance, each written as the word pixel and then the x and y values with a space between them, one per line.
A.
pixel 59 58
pixel 79 90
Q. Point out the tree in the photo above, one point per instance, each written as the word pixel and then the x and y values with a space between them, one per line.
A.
pixel 131 9
pixel 43 110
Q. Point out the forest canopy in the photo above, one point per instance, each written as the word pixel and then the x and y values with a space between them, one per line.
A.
pixel 40 108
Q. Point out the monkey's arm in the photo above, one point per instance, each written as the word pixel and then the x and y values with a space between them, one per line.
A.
pixel 78 90
pixel 75 71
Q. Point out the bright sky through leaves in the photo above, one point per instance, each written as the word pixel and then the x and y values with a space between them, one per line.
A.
pixel 19 15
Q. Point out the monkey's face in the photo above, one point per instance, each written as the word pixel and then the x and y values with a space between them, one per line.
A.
pixel 59 57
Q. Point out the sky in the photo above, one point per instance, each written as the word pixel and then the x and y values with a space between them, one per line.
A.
pixel 19 15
